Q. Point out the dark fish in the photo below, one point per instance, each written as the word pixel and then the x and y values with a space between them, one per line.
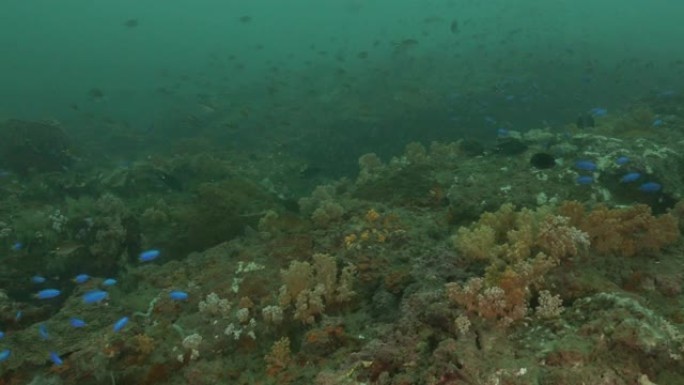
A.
pixel 406 43
pixel 245 19
pixel 131 23
pixel 454 26
pixel 542 160
pixel 95 94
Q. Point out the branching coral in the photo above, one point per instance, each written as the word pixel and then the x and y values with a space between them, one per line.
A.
pixel 322 206
pixel 623 231
pixel 516 235
pixel 508 240
pixel 501 296
pixel 521 247
pixel 313 287
pixel 279 357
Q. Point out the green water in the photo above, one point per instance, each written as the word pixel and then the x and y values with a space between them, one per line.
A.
pixel 566 54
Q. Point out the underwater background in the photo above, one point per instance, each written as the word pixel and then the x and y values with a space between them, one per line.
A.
pixel 341 192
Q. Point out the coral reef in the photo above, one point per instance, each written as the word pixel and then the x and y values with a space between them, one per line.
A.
pixel 310 288
pixel 623 231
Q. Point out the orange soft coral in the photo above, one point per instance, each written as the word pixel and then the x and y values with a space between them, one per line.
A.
pixel 623 231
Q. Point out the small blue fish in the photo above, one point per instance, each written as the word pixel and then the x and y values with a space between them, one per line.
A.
pixel 630 177
pixel 2 335
pixel 5 354
pixel 585 165
pixel 658 123
pixel 37 279
pixel 149 255
pixel 81 278
pixel 502 133
pixel 650 187
pixel 120 324
pixel 177 295
pixel 43 332
pixel 621 161
pixel 109 282
pixel 95 296
pixel 47 294
pixel 18 316
pixel 584 179
pixel 77 323
pixel 54 357
pixel 598 112
pixel 17 246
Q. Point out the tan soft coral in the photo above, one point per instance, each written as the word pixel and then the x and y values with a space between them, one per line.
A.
pixel 503 294
pixel 514 236
pixel 313 287
pixel 623 231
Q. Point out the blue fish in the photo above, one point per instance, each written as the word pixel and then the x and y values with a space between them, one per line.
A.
pixel 54 357
pixel 630 177
pixel 17 246
pixel 585 165
pixel 47 294
pixel 19 315
pixel 43 332
pixel 95 296
pixel 599 112
pixel 584 179
pixel 621 161
pixel 5 354
pixel 2 335
pixel 658 123
pixel 177 295
pixel 77 322
pixel 109 282
pixel 37 279
pixel 81 278
pixel 650 187
pixel 149 255
pixel 120 324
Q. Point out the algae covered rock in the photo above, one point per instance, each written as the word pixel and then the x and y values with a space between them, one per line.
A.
pixel 33 146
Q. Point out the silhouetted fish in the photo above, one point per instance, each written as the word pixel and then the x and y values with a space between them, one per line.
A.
pixel 96 94
pixel 131 23
pixel 454 26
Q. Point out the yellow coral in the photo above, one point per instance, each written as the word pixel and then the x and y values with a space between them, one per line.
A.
pixel 350 241
pixel 478 243
pixel 372 216
pixel 310 288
